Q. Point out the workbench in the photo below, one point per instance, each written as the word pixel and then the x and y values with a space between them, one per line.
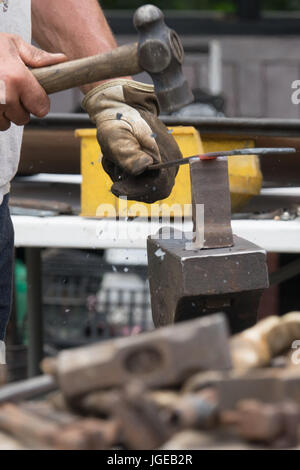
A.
pixel 77 232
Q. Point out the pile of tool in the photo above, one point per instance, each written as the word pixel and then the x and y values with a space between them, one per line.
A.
pixel 187 386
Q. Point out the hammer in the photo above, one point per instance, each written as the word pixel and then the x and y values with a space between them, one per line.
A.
pixel 158 52
pixel 158 358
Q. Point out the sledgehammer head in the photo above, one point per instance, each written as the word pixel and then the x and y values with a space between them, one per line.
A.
pixel 161 55
pixel 166 356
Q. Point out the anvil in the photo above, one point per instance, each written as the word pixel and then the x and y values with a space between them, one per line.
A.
pixel 211 270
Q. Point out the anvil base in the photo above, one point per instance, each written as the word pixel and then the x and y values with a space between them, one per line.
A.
pixel 186 284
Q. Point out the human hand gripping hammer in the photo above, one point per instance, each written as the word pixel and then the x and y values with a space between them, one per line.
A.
pixel 125 112
pixel 159 52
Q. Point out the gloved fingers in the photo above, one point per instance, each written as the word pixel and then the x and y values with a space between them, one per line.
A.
pixel 122 148
pixel 138 188
pixel 148 187
pixel 115 173
pixel 146 138
pixel 132 138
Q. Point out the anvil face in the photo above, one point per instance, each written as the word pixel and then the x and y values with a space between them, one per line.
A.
pixel 186 284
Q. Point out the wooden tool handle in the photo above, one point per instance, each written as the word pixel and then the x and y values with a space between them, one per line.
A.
pixel 119 62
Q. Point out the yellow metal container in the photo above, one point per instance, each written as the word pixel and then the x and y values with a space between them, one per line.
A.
pixel 97 200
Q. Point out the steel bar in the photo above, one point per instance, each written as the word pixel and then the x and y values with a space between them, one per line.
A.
pixel 238 126
pixel 210 190
pixel 228 153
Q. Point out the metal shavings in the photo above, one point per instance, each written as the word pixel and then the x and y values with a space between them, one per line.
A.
pixel 5 5
pixel 160 253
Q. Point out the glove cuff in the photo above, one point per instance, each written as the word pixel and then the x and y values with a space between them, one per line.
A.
pixel 112 83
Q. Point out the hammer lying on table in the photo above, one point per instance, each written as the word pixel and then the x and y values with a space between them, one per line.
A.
pixel 158 358
pixel 158 52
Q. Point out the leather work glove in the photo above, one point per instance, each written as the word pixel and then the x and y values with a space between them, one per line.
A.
pixel 132 138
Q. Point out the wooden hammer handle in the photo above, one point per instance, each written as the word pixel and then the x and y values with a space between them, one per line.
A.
pixel 119 62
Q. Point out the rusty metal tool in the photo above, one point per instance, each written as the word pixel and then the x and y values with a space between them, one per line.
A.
pixel 27 389
pixel 30 429
pixel 159 358
pixel 41 429
pixel 194 410
pixel 142 426
pixel 276 425
pixel 158 52
pixel 266 385
pixel 228 153
pixel 100 403
pixel 40 205
pixel 210 270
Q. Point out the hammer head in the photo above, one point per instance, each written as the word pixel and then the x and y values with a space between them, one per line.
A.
pixel 160 358
pixel 161 55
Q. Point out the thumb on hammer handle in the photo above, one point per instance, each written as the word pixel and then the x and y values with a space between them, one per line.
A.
pixel 119 62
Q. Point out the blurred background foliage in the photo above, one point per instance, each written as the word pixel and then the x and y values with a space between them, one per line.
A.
pixel 216 5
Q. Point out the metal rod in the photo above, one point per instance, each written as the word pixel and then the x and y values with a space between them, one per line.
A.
pixel 228 153
pixel 27 389
pixel 206 125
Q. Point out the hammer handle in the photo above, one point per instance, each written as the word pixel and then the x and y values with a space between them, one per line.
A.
pixel 119 62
